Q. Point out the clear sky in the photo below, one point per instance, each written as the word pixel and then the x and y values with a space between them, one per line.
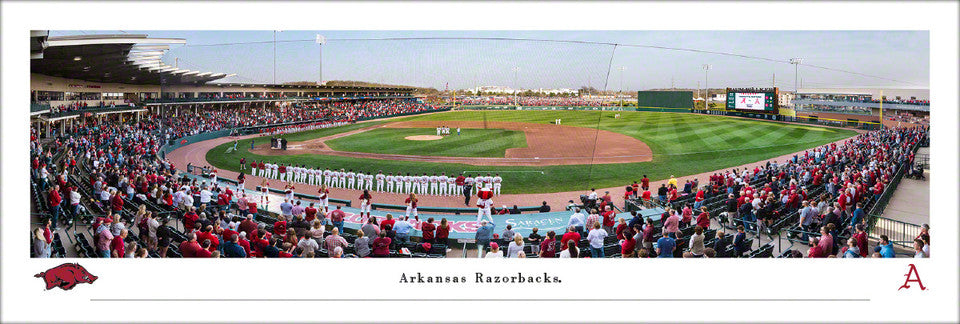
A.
pixel 901 58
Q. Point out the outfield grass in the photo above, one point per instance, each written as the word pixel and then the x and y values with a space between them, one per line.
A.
pixel 682 144
pixel 471 143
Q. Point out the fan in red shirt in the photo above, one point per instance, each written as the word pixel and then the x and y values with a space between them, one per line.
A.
pixel 608 218
pixel 207 234
pixel 571 234
pixel 190 247
pixel 703 220
pixel 190 219
pixel 645 183
pixel 428 230
pixel 310 212
pixel 646 195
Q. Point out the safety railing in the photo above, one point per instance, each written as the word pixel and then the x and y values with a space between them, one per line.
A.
pixel 897 232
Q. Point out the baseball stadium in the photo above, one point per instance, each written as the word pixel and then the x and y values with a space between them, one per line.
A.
pixel 136 151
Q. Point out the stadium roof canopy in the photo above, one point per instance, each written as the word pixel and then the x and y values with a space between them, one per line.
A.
pixel 122 58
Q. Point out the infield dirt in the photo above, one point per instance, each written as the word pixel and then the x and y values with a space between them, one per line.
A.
pixel 546 145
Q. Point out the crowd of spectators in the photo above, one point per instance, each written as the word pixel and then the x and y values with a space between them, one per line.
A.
pixel 114 165
pixel 533 101
pixel 122 165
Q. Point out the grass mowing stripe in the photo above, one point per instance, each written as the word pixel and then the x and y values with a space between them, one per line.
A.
pixel 720 142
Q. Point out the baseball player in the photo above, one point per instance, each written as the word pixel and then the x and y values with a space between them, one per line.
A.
pixel 477 184
pixel 283 172
pixel 496 184
pixel 369 182
pixel 262 169
pixel 253 168
pixel 424 182
pixel 451 186
pixel 380 179
pixel 433 184
pixel 414 183
pixel 411 205
pixel 342 179
pixel 326 177
pixel 390 179
pixel 351 180
pixel 311 176
pixel 488 181
pixel 442 183
pixel 484 204
pixel 273 171
pixel 438 130
pixel 359 178
pixel 324 193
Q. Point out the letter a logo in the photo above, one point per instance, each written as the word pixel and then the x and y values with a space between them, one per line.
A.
pixel 913 270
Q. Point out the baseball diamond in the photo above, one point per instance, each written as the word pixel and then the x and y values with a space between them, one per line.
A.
pixel 656 144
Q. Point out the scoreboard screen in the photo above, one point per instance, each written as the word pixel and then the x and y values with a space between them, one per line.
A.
pixel 753 100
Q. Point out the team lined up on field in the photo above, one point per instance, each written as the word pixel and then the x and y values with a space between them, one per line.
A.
pixel 437 185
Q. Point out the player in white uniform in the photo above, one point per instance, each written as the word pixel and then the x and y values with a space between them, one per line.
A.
pixel 442 183
pixel 424 183
pixel 369 182
pixel 438 130
pixel 496 184
pixel 452 186
pixel 275 170
pixel 311 176
pixel 326 177
pixel 407 183
pixel 433 184
pixel 380 179
pixel 389 178
pixel 415 184
pixel 488 181
pixel 357 180
pixel 342 179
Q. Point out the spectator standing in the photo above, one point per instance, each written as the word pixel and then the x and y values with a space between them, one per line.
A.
pixel 665 246
pixel 596 237
pixel 483 236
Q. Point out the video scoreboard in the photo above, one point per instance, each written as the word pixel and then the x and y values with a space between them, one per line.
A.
pixel 753 100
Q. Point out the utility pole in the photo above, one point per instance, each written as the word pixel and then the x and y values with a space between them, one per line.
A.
pixel 706 86
pixel 320 41
pixel 796 61
pixel 620 93
pixel 274 57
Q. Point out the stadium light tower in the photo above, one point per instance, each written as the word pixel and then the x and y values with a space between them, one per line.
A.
pixel 706 86
pixel 516 84
pixel 620 93
pixel 796 61
pixel 321 40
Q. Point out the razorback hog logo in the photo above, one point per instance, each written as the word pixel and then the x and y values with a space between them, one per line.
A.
pixel 66 276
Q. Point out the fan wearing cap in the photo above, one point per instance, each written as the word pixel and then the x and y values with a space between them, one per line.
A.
pixel 494 251
pixel 484 204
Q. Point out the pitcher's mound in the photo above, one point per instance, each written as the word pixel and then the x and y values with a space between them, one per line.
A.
pixel 423 137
